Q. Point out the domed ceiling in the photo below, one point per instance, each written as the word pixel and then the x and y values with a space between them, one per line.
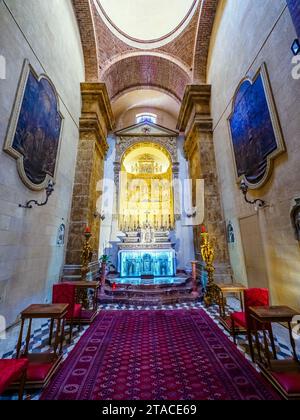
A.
pixel 145 22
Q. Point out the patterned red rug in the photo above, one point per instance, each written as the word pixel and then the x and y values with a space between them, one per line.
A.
pixel 156 355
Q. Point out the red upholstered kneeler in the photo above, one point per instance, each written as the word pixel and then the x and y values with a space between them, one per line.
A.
pixel 66 293
pixel 285 377
pixel 12 371
pixel 290 382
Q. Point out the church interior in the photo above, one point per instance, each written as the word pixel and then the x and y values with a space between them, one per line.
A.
pixel 150 200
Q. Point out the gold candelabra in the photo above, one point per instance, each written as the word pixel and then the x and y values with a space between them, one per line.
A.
pixel 208 256
pixel 86 258
pixel 86 254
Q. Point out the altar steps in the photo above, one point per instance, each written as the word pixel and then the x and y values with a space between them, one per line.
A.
pixel 145 295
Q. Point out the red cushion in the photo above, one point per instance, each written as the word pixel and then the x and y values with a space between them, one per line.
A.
pixel 37 372
pixel 290 381
pixel 256 297
pixel 239 318
pixel 11 371
pixel 253 298
pixel 77 311
pixel 65 293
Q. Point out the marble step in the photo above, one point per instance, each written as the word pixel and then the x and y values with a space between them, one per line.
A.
pixel 146 301
pixel 150 295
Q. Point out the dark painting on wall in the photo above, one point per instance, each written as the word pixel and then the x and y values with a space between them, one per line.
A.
pixel 255 130
pixel 35 129
pixel 294 6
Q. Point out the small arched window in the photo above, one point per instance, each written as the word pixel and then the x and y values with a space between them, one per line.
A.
pixel 147 117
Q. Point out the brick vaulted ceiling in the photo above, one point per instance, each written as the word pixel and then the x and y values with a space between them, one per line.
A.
pixel 122 67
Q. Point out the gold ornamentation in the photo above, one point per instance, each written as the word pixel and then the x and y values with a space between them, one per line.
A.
pixel 86 255
pixel 86 259
pixel 208 256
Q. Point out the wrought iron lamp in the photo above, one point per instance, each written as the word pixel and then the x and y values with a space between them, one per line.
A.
pixel 258 202
pixel 49 190
pixel 101 216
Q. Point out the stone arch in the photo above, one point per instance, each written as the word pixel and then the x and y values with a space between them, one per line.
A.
pixel 169 145
pixel 146 70
pixel 204 31
pixel 83 12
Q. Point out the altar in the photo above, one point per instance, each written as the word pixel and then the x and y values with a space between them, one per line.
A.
pixel 146 253
pixel 141 262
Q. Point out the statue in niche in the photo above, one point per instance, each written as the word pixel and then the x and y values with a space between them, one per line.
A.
pixel 230 234
pixel 295 217
pixel 147 234
pixel 61 235
pixel 164 266
pixel 147 264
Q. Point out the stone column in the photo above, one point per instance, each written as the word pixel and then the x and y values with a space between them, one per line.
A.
pixel 196 123
pixel 95 123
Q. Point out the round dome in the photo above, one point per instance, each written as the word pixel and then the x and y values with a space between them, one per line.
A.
pixel 147 22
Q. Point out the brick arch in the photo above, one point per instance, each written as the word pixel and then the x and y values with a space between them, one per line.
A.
pixel 205 26
pixel 146 70
pixel 83 11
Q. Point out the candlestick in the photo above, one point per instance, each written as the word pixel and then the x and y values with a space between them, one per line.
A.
pixel 208 256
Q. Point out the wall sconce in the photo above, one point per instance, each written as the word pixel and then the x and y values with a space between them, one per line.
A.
pixel 101 216
pixel 191 215
pixel 49 190
pixel 257 203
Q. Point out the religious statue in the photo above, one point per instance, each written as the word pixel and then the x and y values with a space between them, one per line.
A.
pixel 147 234
pixel 147 264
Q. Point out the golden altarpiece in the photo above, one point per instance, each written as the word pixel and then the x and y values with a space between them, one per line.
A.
pixel 146 167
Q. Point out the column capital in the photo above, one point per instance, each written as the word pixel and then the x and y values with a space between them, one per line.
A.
pixel 97 118
pixel 195 117
pixel 195 109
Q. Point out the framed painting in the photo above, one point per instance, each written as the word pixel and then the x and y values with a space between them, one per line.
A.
pixel 35 129
pixel 256 135
pixel 294 8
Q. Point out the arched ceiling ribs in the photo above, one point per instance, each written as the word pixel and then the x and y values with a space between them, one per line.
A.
pixel 146 70
pixel 163 55
pixel 205 26
pixel 83 11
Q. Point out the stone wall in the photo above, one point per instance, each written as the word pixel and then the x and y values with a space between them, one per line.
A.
pixel 195 121
pixel 95 123
pixel 246 34
pixel 30 260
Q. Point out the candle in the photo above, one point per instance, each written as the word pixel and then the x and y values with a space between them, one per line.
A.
pixel 87 230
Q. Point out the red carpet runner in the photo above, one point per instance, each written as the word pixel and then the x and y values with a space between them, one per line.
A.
pixel 156 355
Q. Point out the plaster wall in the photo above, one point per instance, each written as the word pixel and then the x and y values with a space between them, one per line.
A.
pixel 246 34
pixel 30 260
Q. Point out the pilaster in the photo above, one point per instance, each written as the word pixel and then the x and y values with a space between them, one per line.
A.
pixel 95 123
pixel 196 123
